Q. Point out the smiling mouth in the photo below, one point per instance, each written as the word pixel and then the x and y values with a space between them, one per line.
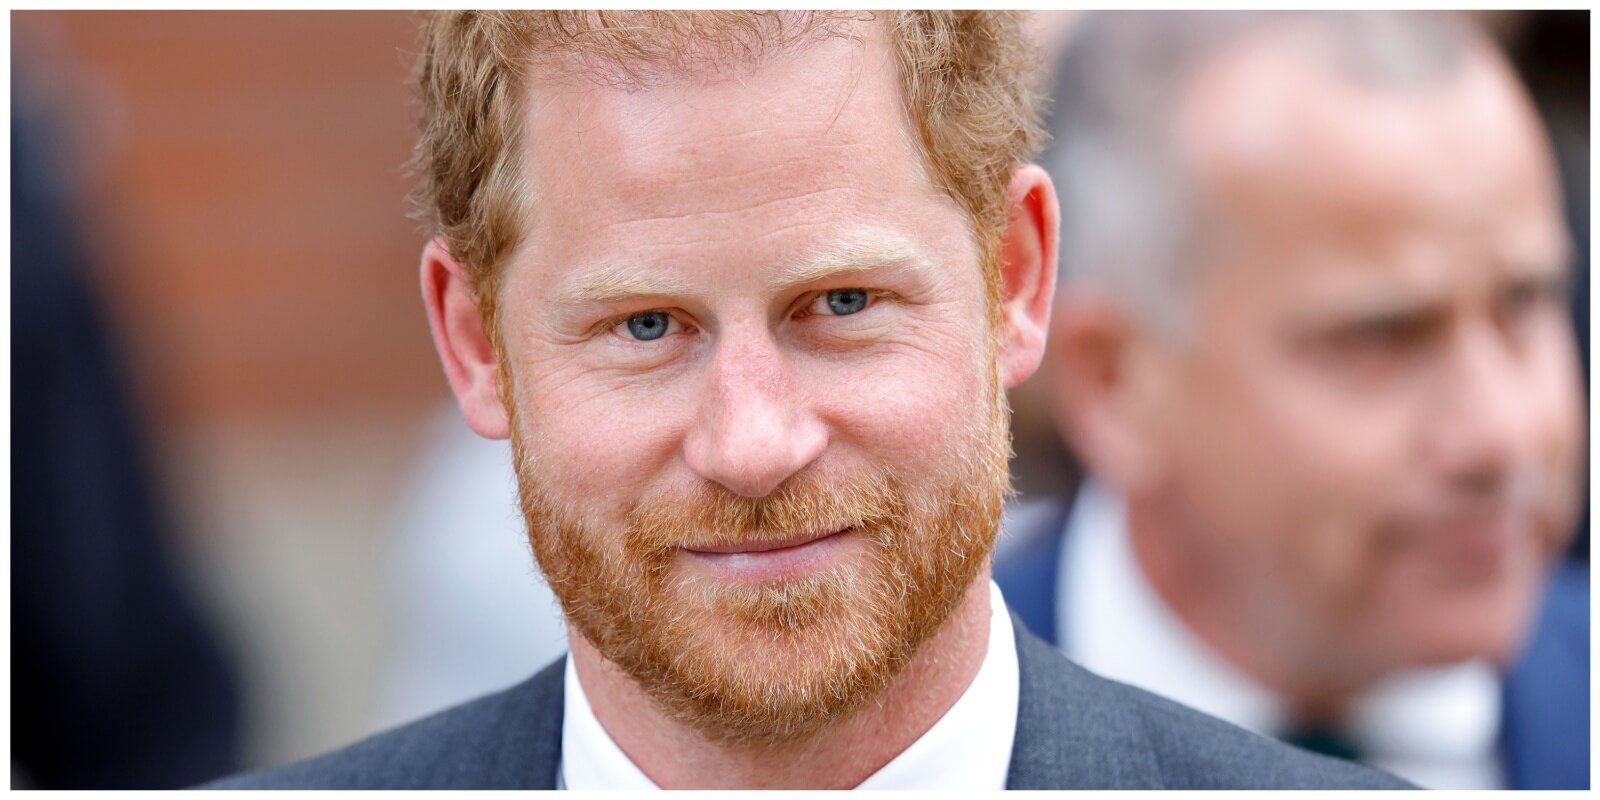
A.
pixel 767 545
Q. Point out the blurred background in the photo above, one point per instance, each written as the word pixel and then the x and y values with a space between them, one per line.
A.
pixel 231 502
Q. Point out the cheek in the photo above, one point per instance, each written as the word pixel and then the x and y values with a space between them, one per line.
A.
pixel 1299 477
pixel 1558 437
pixel 600 442
pixel 1344 451
pixel 1346 462
pixel 1559 399
pixel 906 407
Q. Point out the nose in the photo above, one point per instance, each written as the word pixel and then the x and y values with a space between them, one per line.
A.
pixel 1489 410
pixel 754 429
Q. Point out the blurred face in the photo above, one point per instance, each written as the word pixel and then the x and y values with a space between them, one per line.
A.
pixel 1372 431
pixel 756 416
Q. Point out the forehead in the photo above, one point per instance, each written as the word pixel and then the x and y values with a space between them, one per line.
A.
pixel 1280 146
pixel 773 154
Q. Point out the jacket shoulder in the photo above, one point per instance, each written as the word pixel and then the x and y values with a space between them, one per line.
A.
pixel 507 740
pixel 1544 735
pixel 1197 751
pixel 1078 730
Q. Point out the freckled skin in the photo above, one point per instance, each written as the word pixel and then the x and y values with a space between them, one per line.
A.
pixel 701 183
pixel 713 192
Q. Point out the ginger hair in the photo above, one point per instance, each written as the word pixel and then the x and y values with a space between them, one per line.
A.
pixel 969 83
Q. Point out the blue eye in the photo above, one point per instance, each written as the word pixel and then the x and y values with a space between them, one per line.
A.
pixel 649 326
pixel 843 302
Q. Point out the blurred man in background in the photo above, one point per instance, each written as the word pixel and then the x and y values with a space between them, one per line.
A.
pixel 1312 345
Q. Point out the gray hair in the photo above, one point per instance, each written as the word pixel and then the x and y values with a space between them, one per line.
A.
pixel 1129 223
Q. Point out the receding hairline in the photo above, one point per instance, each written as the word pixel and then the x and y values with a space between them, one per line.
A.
pixel 1206 125
pixel 674 48
pixel 1123 171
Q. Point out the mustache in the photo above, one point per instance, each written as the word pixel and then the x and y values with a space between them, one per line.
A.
pixel 710 515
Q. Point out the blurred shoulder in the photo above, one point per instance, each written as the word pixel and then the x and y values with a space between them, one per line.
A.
pixel 1079 730
pixel 507 740
pixel 1198 751
pixel 1557 650
pixel 1029 523
pixel 1566 600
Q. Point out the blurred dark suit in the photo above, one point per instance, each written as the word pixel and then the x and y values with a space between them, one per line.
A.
pixel 114 680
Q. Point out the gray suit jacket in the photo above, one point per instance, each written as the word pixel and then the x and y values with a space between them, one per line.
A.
pixel 1074 730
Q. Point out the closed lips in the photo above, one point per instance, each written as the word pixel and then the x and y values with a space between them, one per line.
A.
pixel 765 545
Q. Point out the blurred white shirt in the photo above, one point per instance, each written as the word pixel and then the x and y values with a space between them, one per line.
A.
pixel 1437 728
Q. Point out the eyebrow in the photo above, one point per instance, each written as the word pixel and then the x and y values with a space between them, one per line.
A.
pixel 858 253
pixel 609 282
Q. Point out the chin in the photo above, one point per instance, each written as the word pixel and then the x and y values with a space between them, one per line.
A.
pixel 1432 610
pixel 778 662
pixel 1491 624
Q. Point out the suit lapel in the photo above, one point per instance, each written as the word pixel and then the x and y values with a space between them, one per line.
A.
pixel 522 747
pixel 1067 736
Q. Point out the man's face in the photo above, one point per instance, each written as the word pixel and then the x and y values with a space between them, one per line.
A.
pixel 759 434
pixel 1373 431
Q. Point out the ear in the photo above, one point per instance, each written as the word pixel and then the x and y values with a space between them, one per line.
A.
pixel 462 341
pixel 1102 380
pixel 1027 272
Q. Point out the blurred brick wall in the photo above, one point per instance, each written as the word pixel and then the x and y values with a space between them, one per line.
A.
pixel 245 198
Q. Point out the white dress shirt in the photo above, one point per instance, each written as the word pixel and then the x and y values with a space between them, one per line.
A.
pixel 968 748
pixel 1435 727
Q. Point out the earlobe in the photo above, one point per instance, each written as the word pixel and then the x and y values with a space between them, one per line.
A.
pixel 1027 273
pixel 465 348
pixel 1100 389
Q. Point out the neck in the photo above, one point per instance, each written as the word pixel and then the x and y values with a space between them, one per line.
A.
pixel 1265 639
pixel 675 756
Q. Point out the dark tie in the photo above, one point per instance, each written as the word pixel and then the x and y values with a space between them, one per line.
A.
pixel 1324 740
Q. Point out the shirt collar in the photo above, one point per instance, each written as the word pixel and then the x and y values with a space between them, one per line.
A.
pixel 590 759
pixel 968 748
pixel 1435 726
